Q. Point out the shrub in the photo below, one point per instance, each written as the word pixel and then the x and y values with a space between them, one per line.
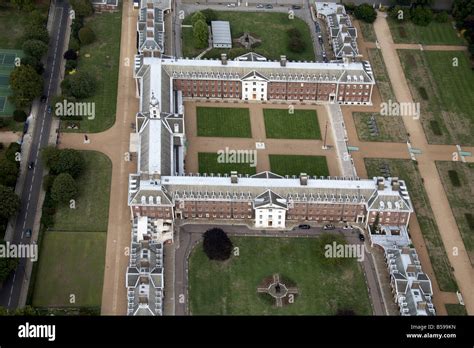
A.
pixel 64 188
pixel 71 65
pixel 74 44
pixel 70 54
pixel 19 116
pixel 76 25
pixel 86 36
pixel 48 182
pixel 423 93
pixel 80 85
pixel 470 220
pixel 435 127
pixel 36 32
pixel 82 8
pixel 454 178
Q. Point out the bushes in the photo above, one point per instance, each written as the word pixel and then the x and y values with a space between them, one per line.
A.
pixel 34 63
pixel 68 161
pixel 70 54
pixel 19 116
pixel 35 48
pixel 82 8
pixel 64 188
pixel 26 85
pixel 366 13
pixel 36 32
pixel 86 36
pixel 454 178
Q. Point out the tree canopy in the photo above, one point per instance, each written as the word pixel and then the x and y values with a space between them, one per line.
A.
pixel 366 13
pixel 64 188
pixel 200 34
pixel 217 245
pixel 26 85
pixel 9 202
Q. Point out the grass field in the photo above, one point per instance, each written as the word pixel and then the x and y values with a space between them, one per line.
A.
pixel 104 64
pixel 301 124
pixel 455 309
pixel 297 164
pixel 271 28
pixel 408 171
pixel 223 122
pixel 70 263
pixel 208 163
pixel 381 75
pixel 92 203
pixel 460 198
pixel 433 34
pixel 229 288
pixel 445 93
pixel 368 31
pixel 390 128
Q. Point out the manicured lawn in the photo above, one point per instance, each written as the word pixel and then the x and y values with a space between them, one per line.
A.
pixel 301 124
pixel 445 93
pixel 188 39
pixel 70 263
pixel 230 287
pixel 391 128
pixel 433 34
pixel 456 309
pixel 92 203
pixel 368 32
pixel 297 164
pixel 208 163
pixel 408 171
pixel 381 75
pixel 460 198
pixel 271 28
pixel 223 122
pixel 103 63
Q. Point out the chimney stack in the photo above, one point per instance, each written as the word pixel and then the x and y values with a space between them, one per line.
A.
pixel 380 183
pixel 282 60
pixel 224 58
pixel 233 177
pixel 395 184
pixel 304 179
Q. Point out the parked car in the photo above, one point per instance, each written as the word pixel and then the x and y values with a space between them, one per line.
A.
pixel 28 233
pixel 329 227
pixel 361 237
pixel 296 7
pixel 260 6
pixel 269 6
pixel 231 5
pixel 31 165
pixel 304 227
pixel 347 227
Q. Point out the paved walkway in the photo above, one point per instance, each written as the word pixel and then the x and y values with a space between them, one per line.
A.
pixel 272 146
pixel 115 143
pixel 9 137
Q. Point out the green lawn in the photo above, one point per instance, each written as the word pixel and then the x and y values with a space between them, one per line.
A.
pixel 297 164
pixel 455 309
pixel 301 124
pixel 368 32
pixel 229 288
pixel 271 28
pixel 444 92
pixel 408 171
pixel 460 198
pixel 70 263
pixel 223 122
pixel 381 75
pixel 92 203
pixel 208 163
pixel 433 34
pixel 104 64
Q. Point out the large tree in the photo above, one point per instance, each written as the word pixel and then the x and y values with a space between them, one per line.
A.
pixel 7 265
pixel 80 85
pixel 82 8
pixel 366 13
pixel 35 48
pixel 64 188
pixel 26 85
pixel 217 245
pixel 8 172
pixel 200 34
pixel 35 31
pixel 63 161
pixel 9 202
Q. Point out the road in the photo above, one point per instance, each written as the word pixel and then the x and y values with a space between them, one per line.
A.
pixel 188 235
pixel 12 287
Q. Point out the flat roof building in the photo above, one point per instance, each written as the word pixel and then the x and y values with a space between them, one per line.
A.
pixel 221 37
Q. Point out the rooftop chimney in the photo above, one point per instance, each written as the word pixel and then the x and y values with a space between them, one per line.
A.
pixel 233 177
pixel 380 183
pixel 395 184
pixel 303 179
pixel 224 59
pixel 282 60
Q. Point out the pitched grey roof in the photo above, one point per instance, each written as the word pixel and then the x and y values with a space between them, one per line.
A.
pixel 268 198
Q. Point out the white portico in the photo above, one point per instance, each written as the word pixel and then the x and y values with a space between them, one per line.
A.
pixel 270 210
pixel 254 86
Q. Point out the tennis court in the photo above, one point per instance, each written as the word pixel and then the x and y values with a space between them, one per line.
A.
pixel 7 64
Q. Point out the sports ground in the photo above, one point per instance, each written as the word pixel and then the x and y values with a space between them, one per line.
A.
pixel 7 63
